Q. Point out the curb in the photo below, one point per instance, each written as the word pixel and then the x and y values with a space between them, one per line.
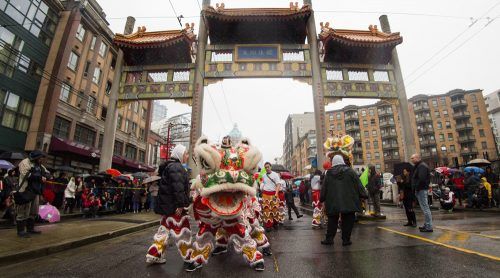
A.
pixel 58 247
pixel 456 209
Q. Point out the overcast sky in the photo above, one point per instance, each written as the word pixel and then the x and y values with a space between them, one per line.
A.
pixel 442 49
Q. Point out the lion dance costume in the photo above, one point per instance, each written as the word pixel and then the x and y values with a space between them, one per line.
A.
pixel 224 205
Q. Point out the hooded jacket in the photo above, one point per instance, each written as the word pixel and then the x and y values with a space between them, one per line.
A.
pixel 341 190
pixel 421 177
pixel 174 188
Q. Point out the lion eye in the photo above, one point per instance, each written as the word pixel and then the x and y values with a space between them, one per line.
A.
pixel 204 164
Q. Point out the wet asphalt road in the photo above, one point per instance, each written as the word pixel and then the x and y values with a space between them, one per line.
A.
pixel 297 252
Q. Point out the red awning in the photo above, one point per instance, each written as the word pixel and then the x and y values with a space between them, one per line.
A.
pixel 61 145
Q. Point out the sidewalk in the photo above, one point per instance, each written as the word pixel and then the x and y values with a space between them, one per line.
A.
pixel 456 208
pixel 66 235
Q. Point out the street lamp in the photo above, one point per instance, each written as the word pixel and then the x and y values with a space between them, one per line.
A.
pixel 169 139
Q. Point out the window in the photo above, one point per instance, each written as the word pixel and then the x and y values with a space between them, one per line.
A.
pixel 127 125
pixel 448 124
pixel 61 127
pixel 374 132
pixel 87 69
pixel 363 112
pixel 104 112
pixel 80 32
pixel 365 123
pixel 84 135
pixel 65 92
pixel 108 87
pixel 445 113
pixel 92 44
pixel 375 144
pixel 358 75
pixel 330 117
pixel 372 121
pixel 91 101
pixel 97 75
pixel 334 75
pixel 443 100
pixel 118 149
pixel 372 112
pixel 99 143
pixel 441 137
pixel 73 61
pixel 476 109
pixel 452 148
pixel 142 134
pixel 367 133
pixel 381 76
pixel 142 156
pixel 368 156
pixel 434 103
pixel 473 97
pixel 113 62
pixel 339 116
pixel 436 114
pixel 15 112
pixel 130 152
pixel 479 121
pixel 102 49
pixel 439 125
pixel 484 145
pixel 81 98
pixel 119 122
pixel 481 133
pixel 450 136
pixel 144 113
pixel 339 127
pixel 377 155
pixel 136 107
pixel 134 128
pixel 367 144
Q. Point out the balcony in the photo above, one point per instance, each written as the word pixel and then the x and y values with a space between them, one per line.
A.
pixel 351 117
pixel 468 151
pixel 420 108
pixel 428 154
pixel 466 126
pixel 458 103
pixel 386 124
pixel 388 135
pixel 466 139
pixel 356 137
pixel 425 131
pixel 425 119
pixel 390 146
pixel 428 143
pixel 392 158
pixel 461 115
pixel 351 128
pixel 383 113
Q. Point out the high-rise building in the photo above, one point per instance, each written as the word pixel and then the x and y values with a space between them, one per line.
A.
pixel 295 127
pixel 492 101
pixel 452 128
pixel 159 111
pixel 27 31
pixel 71 106
pixel 304 154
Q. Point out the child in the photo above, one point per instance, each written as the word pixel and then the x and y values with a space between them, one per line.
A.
pixel 91 206
pixel 447 200
pixel 290 203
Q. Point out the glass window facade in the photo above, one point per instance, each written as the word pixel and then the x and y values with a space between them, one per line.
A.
pixel 91 101
pixel 65 92
pixel 73 61
pixel 34 16
pixel 130 152
pixel 118 149
pixel 61 127
pixel 15 112
pixel 102 49
pixel 97 76
pixel 85 135
pixel 80 33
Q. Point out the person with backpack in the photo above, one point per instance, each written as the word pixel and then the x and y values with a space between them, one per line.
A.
pixel 374 186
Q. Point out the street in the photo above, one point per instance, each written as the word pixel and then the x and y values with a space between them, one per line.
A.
pixel 464 244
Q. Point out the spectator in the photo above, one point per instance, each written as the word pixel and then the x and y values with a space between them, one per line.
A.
pixel 458 183
pixel 69 195
pixel 59 190
pixel 495 192
pixel 420 183
pixel 480 197
pixel 290 203
pixel 9 184
pixel 91 206
pixel 153 190
pixel 374 186
pixel 136 199
pixel 143 198
pixel 78 193
pixel 408 197
pixel 341 192
pixel 302 192
pixel 471 184
pixel 447 200
pixel 487 185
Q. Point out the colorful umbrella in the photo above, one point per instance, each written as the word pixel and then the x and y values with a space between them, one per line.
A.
pixel 443 170
pixel 479 162
pixel 286 175
pixel 364 177
pixel 4 164
pixel 49 213
pixel 113 172
pixel 474 170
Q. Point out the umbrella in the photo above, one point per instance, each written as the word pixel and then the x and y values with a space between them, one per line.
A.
pixel 286 175
pixel 4 164
pixel 151 179
pixel 122 178
pixel 443 170
pixel 140 175
pixel 113 172
pixel 474 170
pixel 13 155
pixel 64 168
pixel 49 213
pixel 479 162
pixel 97 178
pixel 278 168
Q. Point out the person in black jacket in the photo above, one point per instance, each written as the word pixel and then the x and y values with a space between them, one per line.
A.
pixel 404 184
pixel 290 203
pixel 341 193
pixel 420 183
pixel 172 202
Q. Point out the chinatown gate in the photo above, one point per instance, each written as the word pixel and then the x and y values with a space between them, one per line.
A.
pixel 257 43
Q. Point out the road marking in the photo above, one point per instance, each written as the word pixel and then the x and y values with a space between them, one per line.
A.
pixel 276 266
pixel 469 233
pixel 442 244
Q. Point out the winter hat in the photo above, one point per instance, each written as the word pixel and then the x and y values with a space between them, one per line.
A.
pixel 36 154
pixel 337 160
pixel 178 152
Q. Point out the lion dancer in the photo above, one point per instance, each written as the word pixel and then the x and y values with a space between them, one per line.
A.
pixel 173 199
pixel 318 213
pixel 272 214
pixel 222 188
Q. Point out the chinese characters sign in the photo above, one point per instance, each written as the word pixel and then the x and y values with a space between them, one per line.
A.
pixel 253 53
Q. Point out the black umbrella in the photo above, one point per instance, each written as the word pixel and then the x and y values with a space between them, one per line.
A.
pixel 13 156
pixel 65 168
pixel 97 178
pixel 278 168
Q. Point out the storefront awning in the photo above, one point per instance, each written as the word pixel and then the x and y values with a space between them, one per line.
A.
pixel 66 146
